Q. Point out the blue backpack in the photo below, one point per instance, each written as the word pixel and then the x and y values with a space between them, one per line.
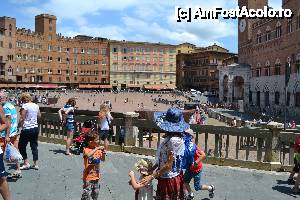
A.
pixel 189 152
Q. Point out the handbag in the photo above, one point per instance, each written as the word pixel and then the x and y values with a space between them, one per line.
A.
pixel 11 154
pixel 111 132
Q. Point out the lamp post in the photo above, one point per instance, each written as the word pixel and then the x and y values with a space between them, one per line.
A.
pixel 287 78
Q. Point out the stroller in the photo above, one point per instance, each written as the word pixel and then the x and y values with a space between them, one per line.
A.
pixel 79 139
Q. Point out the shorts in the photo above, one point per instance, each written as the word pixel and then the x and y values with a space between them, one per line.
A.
pixel 104 134
pixel 3 173
pixel 189 175
pixel 170 188
pixel 13 139
pixel 90 190
pixel 70 127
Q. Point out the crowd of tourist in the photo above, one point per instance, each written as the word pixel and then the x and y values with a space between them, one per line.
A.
pixel 175 154
pixel 28 124
pixel 178 160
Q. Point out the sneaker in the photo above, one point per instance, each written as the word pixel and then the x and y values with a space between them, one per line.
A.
pixel 36 167
pixel 291 181
pixel 25 167
pixel 15 174
pixel 212 191
pixel 190 196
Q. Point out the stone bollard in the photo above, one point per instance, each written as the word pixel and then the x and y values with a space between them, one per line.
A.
pixel 272 153
pixel 131 132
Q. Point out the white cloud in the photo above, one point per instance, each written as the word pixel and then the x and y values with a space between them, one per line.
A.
pixel 22 2
pixel 276 4
pixel 153 32
pixel 78 10
pixel 33 10
pixel 142 20
pixel 110 32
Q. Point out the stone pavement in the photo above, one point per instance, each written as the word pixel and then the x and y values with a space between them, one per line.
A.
pixel 59 178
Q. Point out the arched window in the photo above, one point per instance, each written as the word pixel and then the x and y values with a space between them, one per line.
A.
pixel 290 25
pixel 277 67
pixel 258 70
pixel 278 30
pixel 267 69
pixel 258 37
pixel 268 33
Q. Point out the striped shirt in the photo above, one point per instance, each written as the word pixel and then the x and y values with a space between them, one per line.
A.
pixel 70 110
pixel 10 110
pixel 31 115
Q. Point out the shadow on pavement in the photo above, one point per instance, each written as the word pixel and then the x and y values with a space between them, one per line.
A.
pixel 58 151
pixel 282 182
pixel 10 179
pixel 284 190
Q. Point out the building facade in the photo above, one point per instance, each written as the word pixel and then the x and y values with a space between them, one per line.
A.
pixel 44 56
pixel 199 68
pixel 134 64
pixel 185 48
pixel 270 48
pixel 7 48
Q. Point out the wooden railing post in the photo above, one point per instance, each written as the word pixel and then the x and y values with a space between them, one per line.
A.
pixel 117 138
pixel 131 132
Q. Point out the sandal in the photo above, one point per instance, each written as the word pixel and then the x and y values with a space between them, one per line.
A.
pixel 36 167
pixel 25 167
pixel 16 174
pixel 68 154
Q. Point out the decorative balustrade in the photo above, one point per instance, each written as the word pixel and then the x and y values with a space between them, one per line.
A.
pixel 256 147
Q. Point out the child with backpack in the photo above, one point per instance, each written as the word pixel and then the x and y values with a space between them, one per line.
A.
pixel 193 165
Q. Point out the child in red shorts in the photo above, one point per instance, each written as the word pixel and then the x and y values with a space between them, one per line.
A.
pixel 194 171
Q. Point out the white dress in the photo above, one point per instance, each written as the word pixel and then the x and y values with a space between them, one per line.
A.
pixel 145 193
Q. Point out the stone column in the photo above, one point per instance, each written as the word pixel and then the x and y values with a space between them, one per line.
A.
pixel 221 86
pixel 230 91
pixel 246 93
pixel 272 153
pixel 131 132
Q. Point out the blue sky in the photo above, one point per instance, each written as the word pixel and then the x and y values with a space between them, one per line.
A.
pixel 134 20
